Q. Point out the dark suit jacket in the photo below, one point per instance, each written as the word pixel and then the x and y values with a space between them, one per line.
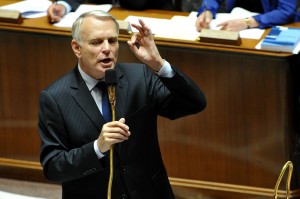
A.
pixel 129 4
pixel 69 123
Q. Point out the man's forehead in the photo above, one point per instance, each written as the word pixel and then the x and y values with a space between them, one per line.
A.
pixel 98 19
pixel 90 22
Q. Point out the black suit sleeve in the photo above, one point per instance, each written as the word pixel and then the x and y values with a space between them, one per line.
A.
pixel 185 97
pixel 76 3
pixel 185 93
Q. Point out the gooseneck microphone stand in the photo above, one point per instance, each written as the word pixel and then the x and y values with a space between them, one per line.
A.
pixel 111 82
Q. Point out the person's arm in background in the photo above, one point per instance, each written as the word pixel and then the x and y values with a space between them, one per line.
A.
pixel 60 8
pixel 207 12
pixel 297 16
pixel 284 13
pixel 278 12
pixel 147 4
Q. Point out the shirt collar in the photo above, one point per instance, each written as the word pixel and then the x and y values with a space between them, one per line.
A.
pixel 90 81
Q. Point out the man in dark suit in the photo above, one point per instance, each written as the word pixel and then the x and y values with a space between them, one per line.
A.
pixel 75 137
pixel 60 8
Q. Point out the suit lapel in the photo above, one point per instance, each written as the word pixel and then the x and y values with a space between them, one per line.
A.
pixel 121 93
pixel 86 102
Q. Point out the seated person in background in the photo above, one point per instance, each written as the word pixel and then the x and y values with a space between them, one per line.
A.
pixel 273 13
pixel 60 8
pixel 297 17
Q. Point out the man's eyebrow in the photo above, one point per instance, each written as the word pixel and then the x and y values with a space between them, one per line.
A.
pixel 95 39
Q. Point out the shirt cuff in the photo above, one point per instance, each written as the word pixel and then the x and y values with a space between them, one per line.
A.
pixel 97 151
pixel 68 7
pixel 166 70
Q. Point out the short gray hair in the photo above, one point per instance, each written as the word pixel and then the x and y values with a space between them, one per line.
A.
pixel 99 14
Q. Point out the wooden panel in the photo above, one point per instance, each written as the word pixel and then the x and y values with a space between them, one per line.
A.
pixel 28 64
pixel 242 131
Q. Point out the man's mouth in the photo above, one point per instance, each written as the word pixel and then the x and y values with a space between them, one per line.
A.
pixel 106 60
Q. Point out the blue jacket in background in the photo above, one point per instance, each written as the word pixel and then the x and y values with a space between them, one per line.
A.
pixel 276 12
pixel 297 17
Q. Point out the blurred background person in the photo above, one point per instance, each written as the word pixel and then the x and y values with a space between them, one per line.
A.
pixel 297 17
pixel 60 8
pixel 272 13
pixel 190 5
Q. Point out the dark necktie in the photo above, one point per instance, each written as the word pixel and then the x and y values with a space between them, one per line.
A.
pixel 106 109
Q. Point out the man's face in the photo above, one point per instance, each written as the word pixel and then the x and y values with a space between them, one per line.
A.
pixel 98 50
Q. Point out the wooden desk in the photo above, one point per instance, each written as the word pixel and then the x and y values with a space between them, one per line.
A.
pixel 234 149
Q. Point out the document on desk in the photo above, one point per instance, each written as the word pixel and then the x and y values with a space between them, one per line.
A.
pixel 236 13
pixel 68 20
pixel 30 8
pixel 281 39
pixel 7 195
pixel 156 24
pixel 183 27
pixel 178 27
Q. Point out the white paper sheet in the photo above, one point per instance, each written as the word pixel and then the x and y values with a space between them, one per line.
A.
pixel 68 20
pixel 156 24
pixel 7 195
pixel 179 27
pixel 30 8
pixel 183 27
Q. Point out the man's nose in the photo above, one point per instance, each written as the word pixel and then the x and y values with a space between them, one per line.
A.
pixel 106 46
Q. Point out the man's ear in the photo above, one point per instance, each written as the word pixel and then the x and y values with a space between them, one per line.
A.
pixel 76 48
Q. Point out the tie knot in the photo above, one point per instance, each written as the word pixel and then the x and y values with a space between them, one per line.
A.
pixel 102 86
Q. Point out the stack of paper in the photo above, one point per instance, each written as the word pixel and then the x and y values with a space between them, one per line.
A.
pixel 68 20
pixel 184 28
pixel 7 195
pixel 30 8
pixel 178 27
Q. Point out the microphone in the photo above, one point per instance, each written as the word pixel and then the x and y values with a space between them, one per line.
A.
pixel 111 82
pixel 111 77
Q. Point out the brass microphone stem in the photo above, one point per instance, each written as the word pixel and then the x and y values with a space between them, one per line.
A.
pixel 288 165
pixel 112 100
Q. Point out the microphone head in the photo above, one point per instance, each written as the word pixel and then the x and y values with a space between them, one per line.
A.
pixel 111 77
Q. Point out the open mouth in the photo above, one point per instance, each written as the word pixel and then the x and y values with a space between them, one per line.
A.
pixel 106 60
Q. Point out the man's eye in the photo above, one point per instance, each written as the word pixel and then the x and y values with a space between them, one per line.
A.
pixel 113 40
pixel 96 42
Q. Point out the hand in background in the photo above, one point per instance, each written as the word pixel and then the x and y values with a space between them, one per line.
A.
pixel 237 24
pixel 203 20
pixel 56 12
